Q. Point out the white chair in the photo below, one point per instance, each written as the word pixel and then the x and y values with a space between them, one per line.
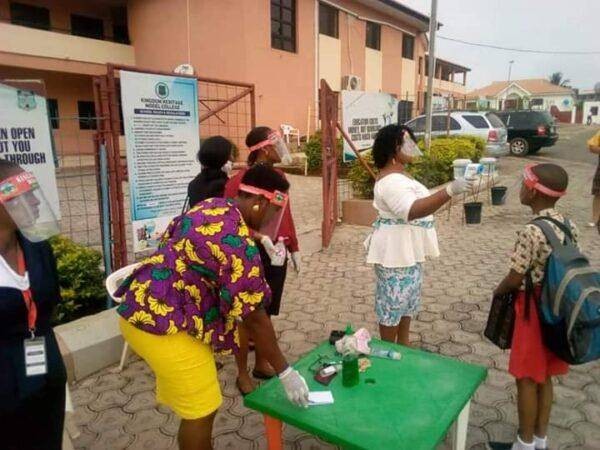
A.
pixel 113 281
pixel 289 131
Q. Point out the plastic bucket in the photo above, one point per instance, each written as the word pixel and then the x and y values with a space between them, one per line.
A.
pixel 460 165
pixel 498 195
pixel 473 212
pixel 489 165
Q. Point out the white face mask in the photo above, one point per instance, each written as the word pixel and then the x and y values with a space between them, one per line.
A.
pixel 409 147
pixel 227 167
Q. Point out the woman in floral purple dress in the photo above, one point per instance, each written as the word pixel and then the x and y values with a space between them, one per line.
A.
pixel 185 302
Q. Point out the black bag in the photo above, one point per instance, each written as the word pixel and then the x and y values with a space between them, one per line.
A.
pixel 501 321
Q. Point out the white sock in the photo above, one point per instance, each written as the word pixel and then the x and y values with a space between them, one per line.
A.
pixel 540 443
pixel 521 445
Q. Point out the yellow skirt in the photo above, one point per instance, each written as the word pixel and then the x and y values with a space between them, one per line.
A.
pixel 186 375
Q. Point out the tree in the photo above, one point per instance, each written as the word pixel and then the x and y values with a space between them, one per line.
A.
pixel 557 79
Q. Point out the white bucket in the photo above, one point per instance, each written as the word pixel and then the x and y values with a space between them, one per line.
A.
pixel 460 165
pixel 489 165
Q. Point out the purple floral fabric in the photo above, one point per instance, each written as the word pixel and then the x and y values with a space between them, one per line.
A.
pixel 205 276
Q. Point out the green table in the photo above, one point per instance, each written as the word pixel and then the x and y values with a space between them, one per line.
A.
pixel 405 404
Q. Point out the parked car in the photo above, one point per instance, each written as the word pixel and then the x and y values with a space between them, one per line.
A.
pixel 529 131
pixel 483 124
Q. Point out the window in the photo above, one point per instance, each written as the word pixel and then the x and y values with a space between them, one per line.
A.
pixel 283 25
pixel 408 46
pixel 494 120
pixel 87 115
pixel 420 65
pixel 53 113
pixel 404 111
pixel 417 125
pixel 477 121
pixel 121 34
pixel 594 110
pixel 373 36
pixel 30 16
pixel 440 123
pixel 87 27
pixel 120 31
pixel 328 21
pixel 536 102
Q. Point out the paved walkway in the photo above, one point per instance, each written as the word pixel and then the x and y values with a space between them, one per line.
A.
pixel 116 411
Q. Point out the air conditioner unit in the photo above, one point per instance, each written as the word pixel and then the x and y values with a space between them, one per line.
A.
pixel 351 83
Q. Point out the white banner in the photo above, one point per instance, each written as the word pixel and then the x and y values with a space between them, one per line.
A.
pixel 26 139
pixel 160 115
pixel 363 114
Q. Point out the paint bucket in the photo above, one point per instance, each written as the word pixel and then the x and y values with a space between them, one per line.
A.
pixel 473 213
pixel 460 166
pixel 499 195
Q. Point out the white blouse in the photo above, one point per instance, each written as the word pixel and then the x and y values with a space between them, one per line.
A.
pixel 396 241
pixel 10 278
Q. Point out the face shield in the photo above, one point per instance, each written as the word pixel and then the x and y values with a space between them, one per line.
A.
pixel 26 204
pixel 279 144
pixel 409 147
pixel 274 213
pixel 531 180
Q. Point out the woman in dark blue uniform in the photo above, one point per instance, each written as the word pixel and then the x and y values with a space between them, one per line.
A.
pixel 32 373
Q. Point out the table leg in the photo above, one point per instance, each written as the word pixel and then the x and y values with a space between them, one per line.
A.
pixel 460 428
pixel 273 429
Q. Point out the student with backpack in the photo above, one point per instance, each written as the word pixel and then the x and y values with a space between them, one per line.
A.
pixel 531 362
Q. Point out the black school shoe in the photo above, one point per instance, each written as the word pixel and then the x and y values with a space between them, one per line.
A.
pixel 506 446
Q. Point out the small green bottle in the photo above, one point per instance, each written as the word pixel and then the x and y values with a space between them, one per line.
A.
pixel 350 370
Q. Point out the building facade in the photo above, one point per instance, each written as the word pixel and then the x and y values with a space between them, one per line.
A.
pixel 284 47
pixel 537 94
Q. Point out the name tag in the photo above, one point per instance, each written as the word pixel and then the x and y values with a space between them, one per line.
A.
pixel 35 356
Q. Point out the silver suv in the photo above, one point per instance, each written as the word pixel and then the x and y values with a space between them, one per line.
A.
pixel 486 125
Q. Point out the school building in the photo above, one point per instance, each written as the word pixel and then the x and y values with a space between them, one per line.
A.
pixel 284 47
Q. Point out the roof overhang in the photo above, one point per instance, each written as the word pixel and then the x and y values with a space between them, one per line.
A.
pixel 400 12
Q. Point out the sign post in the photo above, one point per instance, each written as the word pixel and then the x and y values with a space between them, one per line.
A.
pixel 25 136
pixel 160 115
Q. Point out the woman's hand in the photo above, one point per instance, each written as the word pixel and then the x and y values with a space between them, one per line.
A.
pixel 594 149
pixel 460 186
pixel 295 386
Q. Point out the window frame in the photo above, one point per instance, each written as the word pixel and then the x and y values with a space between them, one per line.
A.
pixel 466 117
pixel 376 38
pixel 275 37
pixel 85 120
pixel 100 37
pixel 40 10
pixel 335 14
pixel 53 113
pixel 405 39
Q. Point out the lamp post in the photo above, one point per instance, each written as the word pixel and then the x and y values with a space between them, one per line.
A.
pixel 510 63
pixel 429 94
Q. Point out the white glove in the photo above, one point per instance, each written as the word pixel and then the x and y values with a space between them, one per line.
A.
pixel 295 386
pixel 460 186
pixel 267 243
pixel 296 261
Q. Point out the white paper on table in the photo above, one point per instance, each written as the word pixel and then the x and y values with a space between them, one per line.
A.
pixel 320 398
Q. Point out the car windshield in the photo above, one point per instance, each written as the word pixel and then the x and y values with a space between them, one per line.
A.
pixel 494 120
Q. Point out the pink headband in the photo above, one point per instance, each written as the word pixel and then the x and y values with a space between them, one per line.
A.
pixel 262 144
pixel 533 182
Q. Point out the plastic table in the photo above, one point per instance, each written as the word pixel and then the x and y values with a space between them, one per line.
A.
pixel 405 404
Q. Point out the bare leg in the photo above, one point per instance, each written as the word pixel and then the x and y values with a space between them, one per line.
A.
pixel 196 434
pixel 545 396
pixel 245 383
pixel 262 364
pixel 403 331
pixel 596 209
pixel 389 334
pixel 527 393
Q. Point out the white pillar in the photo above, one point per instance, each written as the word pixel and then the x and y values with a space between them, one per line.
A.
pixel 573 114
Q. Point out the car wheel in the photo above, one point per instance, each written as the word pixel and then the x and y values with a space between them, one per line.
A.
pixel 519 147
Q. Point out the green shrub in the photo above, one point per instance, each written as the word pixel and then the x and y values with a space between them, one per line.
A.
pixel 432 169
pixel 314 154
pixel 80 278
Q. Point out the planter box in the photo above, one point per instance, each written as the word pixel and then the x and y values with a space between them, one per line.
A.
pixel 358 212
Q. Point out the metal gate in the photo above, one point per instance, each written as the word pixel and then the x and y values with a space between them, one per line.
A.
pixel 330 126
pixel 225 107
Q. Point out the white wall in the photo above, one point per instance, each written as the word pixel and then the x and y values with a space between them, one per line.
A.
pixel 587 106
pixel 558 101
pixel 373 70
pixel 330 61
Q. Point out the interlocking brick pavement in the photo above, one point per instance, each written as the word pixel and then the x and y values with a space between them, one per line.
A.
pixel 336 287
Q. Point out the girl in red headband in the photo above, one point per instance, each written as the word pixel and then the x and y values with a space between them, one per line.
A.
pixel 531 363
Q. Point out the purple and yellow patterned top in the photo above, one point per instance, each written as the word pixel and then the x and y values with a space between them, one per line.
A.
pixel 205 276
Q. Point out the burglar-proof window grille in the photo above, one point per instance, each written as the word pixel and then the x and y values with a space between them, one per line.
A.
pixel 283 25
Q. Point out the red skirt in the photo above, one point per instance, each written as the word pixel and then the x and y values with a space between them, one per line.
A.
pixel 529 358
